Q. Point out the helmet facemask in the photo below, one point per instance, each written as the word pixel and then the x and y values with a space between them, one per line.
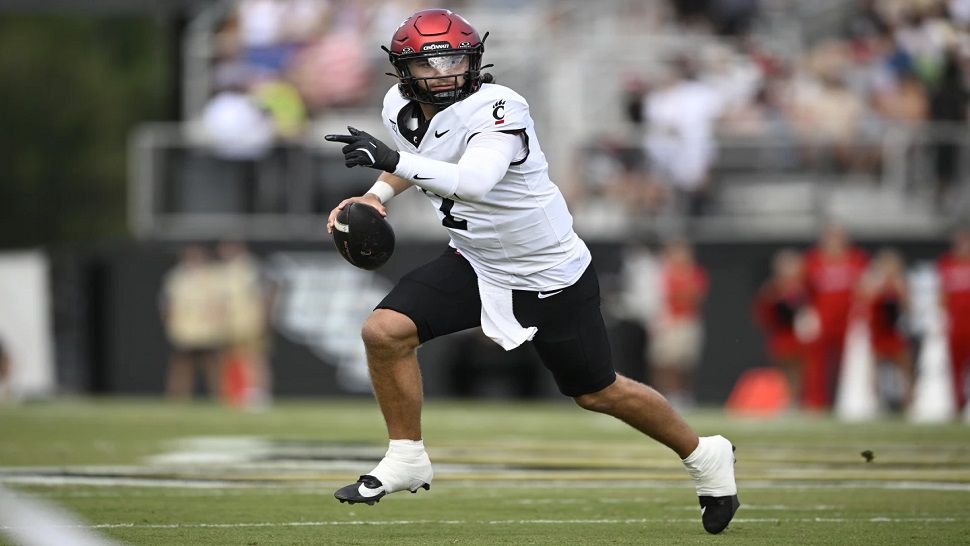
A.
pixel 440 78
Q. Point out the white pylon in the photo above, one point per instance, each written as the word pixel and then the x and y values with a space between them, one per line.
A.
pixel 856 397
pixel 933 397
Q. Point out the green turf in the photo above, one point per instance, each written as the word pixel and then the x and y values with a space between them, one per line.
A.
pixel 507 473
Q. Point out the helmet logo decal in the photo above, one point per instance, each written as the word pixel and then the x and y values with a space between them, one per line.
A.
pixel 498 112
pixel 465 44
pixel 435 46
pixel 407 50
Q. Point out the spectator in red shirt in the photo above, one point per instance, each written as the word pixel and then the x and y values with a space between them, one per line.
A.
pixel 883 297
pixel 780 308
pixel 677 333
pixel 832 271
pixel 954 270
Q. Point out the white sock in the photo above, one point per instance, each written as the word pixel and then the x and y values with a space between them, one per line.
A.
pixel 405 449
pixel 405 466
pixel 711 466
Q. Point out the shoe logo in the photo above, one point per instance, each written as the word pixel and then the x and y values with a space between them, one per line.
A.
pixel 419 177
pixel 543 296
pixel 367 492
pixel 441 134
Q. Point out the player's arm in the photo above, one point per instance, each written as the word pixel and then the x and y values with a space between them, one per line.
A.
pixel 484 163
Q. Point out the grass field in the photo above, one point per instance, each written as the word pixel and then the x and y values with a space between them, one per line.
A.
pixel 144 472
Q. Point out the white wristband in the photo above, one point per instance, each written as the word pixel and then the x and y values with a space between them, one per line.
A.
pixel 382 190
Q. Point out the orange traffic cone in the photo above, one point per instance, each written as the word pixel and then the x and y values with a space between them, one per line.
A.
pixel 760 392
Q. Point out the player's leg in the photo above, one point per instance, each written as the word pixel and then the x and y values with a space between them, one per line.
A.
pixel 436 299
pixel 709 460
pixel 213 363
pixel 644 409
pixel 179 376
pixel 573 344
pixel 390 340
pixel 960 363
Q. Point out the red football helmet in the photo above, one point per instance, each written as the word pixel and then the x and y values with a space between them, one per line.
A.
pixel 440 41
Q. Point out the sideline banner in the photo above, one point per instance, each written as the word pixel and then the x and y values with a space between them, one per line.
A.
pixel 25 322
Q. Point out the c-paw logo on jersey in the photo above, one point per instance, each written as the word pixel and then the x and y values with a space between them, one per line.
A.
pixel 498 112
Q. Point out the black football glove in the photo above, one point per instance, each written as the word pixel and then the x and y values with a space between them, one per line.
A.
pixel 364 150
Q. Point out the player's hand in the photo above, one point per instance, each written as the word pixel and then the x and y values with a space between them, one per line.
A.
pixel 367 199
pixel 364 150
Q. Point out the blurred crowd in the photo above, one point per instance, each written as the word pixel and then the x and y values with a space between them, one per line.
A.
pixel 215 309
pixel 890 69
pixel 280 63
pixel 814 305
pixel 893 68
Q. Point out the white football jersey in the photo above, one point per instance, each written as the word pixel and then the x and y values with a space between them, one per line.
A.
pixel 520 234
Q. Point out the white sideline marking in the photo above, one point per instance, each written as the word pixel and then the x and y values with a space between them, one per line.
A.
pixel 502 522
pixel 25 478
pixel 31 522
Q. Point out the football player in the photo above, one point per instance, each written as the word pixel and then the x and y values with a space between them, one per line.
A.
pixel 514 265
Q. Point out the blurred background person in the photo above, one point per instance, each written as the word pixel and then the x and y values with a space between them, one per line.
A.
pixel 234 122
pixel 679 117
pixel 5 366
pixel 335 67
pixel 950 104
pixel 677 333
pixel 827 115
pixel 883 299
pixel 263 36
pixel 194 314
pixel 634 308
pixel 954 271
pixel 247 378
pixel 782 310
pixel 832 271
pixel 281 100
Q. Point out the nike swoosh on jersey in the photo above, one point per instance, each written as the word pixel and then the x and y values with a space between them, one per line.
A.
pixel 419 177
pixel 441 134
pixel 368 492
pixel 543 296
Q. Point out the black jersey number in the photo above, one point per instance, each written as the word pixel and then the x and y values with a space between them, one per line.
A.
pixel 450 221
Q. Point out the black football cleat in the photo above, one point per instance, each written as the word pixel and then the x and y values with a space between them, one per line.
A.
pixel 716 512
pixel 368 490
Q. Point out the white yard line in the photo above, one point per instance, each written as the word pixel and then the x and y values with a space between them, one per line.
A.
pixel 26 478
pixel 634 521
